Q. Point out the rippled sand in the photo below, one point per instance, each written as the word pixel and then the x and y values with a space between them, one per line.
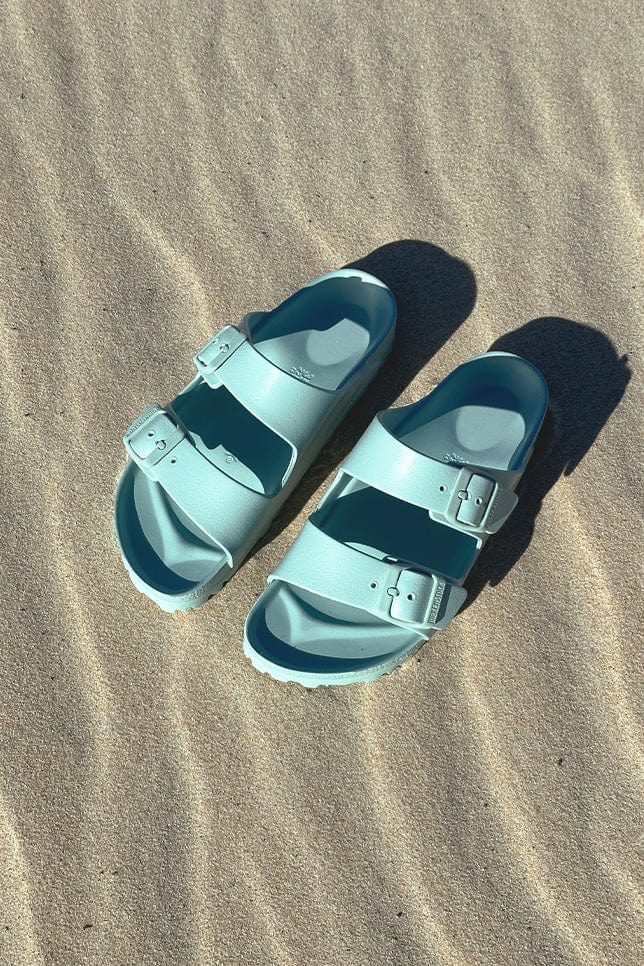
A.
pixel 167 168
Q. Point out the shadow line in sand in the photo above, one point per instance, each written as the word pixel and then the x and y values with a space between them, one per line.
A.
pixel 586 378
pixel 435 293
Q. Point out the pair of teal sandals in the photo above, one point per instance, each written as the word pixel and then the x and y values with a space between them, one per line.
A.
pixel 380 565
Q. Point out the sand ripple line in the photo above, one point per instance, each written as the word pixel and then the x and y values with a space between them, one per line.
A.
pixel 18 933
pixel 523 845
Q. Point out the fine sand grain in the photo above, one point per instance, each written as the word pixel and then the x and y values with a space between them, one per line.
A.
pixel 166 168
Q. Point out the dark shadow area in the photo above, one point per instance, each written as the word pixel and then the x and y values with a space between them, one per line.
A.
pixel 586 378
pixel 435 293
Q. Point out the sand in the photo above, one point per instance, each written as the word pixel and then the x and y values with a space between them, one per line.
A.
pixel 167 168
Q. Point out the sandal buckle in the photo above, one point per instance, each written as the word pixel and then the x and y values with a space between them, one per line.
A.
pixel 475 499
pixel 152 436
pixel 217 350
pixel 416 597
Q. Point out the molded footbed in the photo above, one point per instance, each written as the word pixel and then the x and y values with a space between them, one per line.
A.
pixel 322 335
pixel 324 332
pixel 486 413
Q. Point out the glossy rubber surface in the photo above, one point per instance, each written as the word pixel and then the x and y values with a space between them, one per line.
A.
pixel 332 335
pixel 486 415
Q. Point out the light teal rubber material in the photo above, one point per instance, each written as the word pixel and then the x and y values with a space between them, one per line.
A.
pixel 208 474
pixel 380 565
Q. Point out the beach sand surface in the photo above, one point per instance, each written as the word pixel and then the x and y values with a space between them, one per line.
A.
pixel 167 168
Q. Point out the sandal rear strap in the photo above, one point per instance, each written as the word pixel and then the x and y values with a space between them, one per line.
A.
pixel 283 401
pixel 460 496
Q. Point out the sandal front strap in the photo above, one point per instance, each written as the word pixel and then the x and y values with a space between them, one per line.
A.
pixel 391 591
pixel 223 509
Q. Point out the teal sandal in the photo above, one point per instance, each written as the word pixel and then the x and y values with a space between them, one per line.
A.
pixel 208 474
pixel 379 566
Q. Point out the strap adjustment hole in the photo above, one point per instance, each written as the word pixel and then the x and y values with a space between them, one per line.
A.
pixel 411 596
pixel 373 584
pixel 442 487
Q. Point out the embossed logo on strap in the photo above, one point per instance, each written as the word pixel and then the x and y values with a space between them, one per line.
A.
pixel 436 601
